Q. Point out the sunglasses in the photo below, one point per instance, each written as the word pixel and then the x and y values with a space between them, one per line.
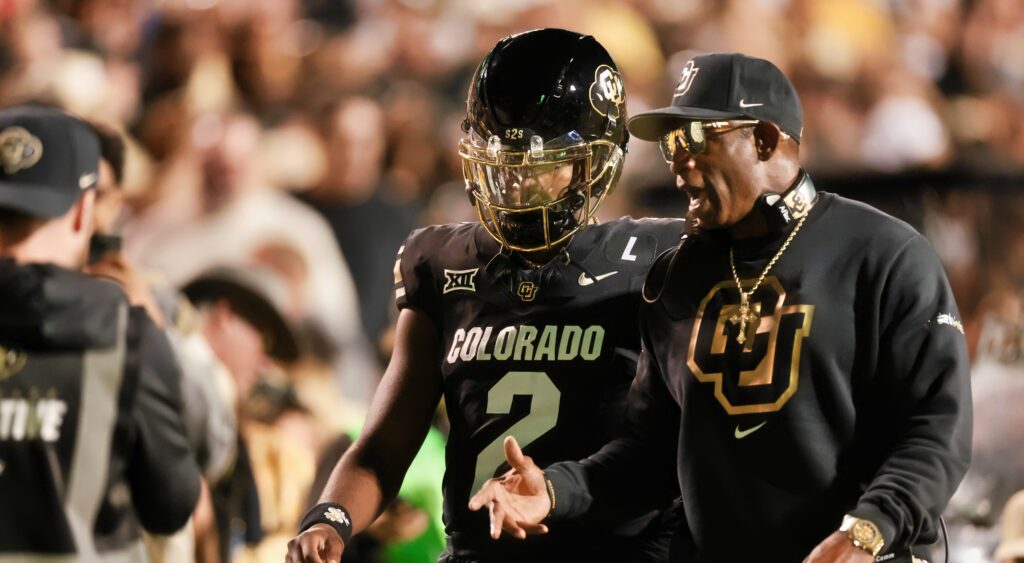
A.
pixel 692 136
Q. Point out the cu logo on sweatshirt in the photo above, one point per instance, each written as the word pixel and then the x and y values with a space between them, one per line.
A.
pixel 12 361
pixel 762 373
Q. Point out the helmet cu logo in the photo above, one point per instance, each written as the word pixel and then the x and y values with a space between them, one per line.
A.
pixel 686 79
pixel 606 92
pixel 19 149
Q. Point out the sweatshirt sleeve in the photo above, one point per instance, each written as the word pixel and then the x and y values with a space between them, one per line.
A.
pixel 162 472
pixel 923 375
pixel 637 468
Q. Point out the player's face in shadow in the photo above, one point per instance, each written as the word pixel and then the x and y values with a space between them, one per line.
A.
pixel 721 180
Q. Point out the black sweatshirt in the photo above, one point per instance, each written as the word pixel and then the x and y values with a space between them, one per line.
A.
pixel 852 395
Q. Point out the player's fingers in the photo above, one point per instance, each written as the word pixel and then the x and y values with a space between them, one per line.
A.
pixel 513 529
pixel 534 529
pixel 514 456
pixel 331 550
pixel 484 496
pixel 511 525
pixel 313 551
pixel 304 549
pixel 496 512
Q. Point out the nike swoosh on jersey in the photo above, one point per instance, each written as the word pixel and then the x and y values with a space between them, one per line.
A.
pixel 741 434
pixel 744 104
pixel 586 280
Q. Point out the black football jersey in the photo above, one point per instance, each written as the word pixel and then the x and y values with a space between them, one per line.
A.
pixel 546 355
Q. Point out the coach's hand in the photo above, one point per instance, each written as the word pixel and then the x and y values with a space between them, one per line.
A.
pixel 837 548
pixel 518 500
pixel 319 544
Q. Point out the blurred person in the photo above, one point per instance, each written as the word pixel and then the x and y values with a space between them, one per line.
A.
pixel 209 421
pixel 993 46
pixel 355 198
pixel 1001 325
pixel 414 154
pixel 1011 548
pixel 532 301
pixel 32 41
pixel 265 59
pixel 238 314
pixel 113 27
pixel 92 434
pixel 282 439
pixel 818 407
pixel 997 387
pixel 235 214
pixel 903 129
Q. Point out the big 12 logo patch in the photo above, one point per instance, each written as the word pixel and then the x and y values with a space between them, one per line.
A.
pixel 760 374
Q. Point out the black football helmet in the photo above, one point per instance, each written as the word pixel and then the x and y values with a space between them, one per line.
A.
pixel 545 136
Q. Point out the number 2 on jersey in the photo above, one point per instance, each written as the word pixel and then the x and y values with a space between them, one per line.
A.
pixel 543 416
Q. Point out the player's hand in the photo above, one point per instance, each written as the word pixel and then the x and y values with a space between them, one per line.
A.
pixel 319 544
pixel 518 500
pixel 837 548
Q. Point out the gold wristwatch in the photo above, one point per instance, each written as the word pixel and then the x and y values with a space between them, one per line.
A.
pixel 863 533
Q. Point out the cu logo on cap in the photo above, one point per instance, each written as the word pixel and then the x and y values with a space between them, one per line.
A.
pixel 686 79
pixel 19 149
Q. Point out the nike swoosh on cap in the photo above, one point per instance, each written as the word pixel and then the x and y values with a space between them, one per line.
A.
pixel 744 104
pixel 87 180
pixel 586 280
pixel 741 434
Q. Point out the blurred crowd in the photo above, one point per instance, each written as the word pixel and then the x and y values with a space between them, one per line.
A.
pixel 279 151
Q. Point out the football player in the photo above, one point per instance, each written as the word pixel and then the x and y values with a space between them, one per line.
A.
pixel 525 322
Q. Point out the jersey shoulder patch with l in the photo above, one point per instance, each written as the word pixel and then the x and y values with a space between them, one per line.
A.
pixel 627 246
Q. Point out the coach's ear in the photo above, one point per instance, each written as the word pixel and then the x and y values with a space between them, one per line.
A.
pixel 81 214
pixel 766 139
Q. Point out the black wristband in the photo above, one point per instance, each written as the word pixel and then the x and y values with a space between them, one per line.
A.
pixel 332 514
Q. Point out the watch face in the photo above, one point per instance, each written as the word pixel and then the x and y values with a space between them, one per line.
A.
pixel 865 532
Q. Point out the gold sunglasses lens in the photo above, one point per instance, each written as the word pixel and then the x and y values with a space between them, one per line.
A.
pixel 689 138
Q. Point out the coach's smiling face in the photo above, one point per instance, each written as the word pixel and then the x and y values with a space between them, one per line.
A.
pixel 725 180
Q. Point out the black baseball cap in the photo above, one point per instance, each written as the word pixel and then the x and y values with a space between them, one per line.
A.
pixel 47 159
pixel 726 86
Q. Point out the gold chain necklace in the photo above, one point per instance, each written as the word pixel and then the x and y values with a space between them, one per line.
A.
pixel 744 315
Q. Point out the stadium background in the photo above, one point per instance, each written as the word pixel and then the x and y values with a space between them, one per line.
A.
pixel 238 109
